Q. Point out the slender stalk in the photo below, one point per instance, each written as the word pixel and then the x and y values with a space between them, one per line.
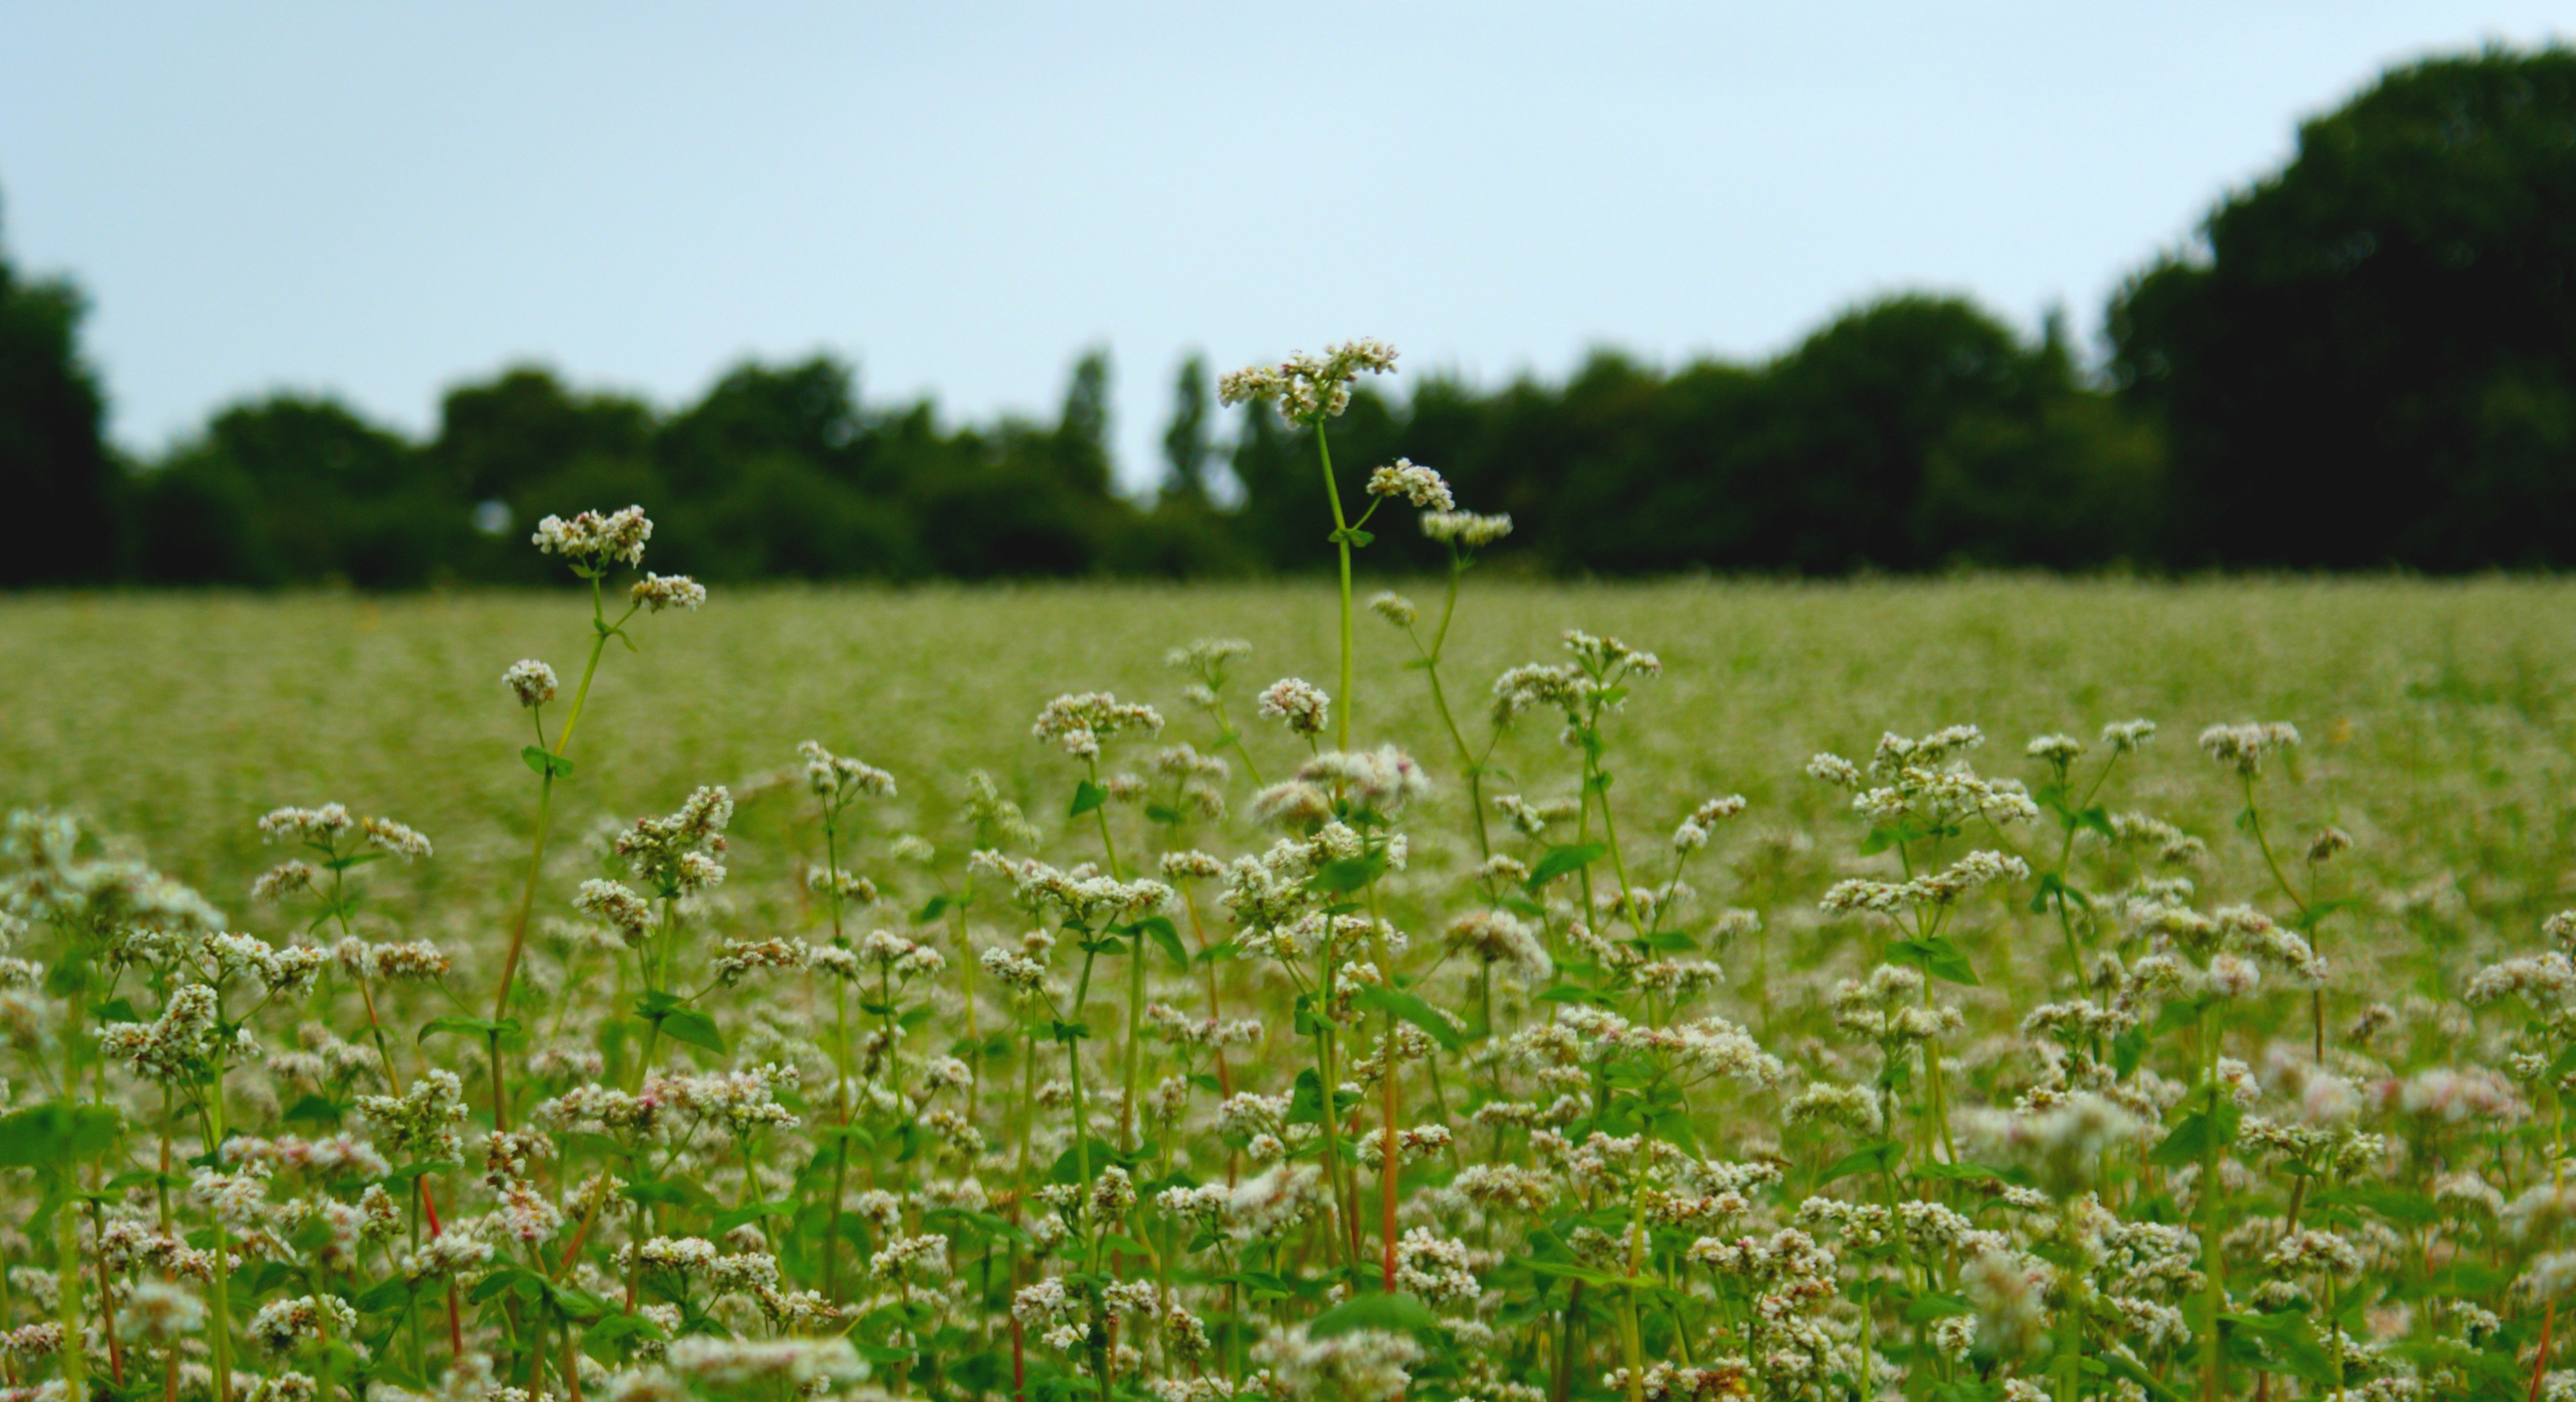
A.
pixel 601 630
pixel 1341 543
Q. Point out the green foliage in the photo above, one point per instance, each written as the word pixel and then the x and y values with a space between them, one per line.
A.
pixel 2370 356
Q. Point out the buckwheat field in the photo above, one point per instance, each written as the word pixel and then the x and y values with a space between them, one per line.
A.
pixel 1991 989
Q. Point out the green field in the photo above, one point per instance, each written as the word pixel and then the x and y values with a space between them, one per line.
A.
pixel 2440 718
pixel 2438 730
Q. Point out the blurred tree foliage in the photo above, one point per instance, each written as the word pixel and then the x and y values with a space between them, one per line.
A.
pixel 2372 359
pixel 54 470
pixel 2368 359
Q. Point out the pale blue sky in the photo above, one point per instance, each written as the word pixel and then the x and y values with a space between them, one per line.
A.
pixel 381 200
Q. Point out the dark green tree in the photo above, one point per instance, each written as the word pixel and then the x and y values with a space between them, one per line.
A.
pixel 1187 445
pixel 55 471
pixel 2371 357
pixel 293 489
pixel 1082 431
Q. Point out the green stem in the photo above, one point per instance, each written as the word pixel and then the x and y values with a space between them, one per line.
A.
pixel 1342 542
pixel 221 1297
pixel 1440 702
pixel 600 631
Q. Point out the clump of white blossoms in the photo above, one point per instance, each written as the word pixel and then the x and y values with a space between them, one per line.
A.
pixel 1300 705
pixel 1309 388
pixel 591 542
pixel 1416 484
pixel 1077 723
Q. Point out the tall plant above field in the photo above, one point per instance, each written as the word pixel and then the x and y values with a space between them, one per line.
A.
pixel 1260 1049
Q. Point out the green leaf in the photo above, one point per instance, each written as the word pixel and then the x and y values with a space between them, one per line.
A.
pixel 546 763
pixel 1343 877
pixel 727 1221
pixel 54 1135
pixel 1954 1172
pixel 1412 1008
pixel 1567 1270
pixel 315 1109
pixel 1387 1313
pixel 1068 1165
pixel 1563 861
pixel 1166 938
pixel 1877 1158
pixel 693 1027
pixel 1927 1308
pixel 469 1026
pixel 932 910
pixel 384 1297
pixel 511 1280
pixel 1086 796
pixel 404 1176
pixel 1162 813
pixel 2189 1140
pixel 1936 956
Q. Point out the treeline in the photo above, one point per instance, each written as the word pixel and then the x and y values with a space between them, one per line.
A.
pixel 2368 360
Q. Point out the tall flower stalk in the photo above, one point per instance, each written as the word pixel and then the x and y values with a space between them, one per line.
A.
pixel 593 546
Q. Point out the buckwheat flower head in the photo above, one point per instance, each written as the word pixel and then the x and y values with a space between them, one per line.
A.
pixel 1419 485
pixel 2056 749
pixel 281 1323
pixel 1077 722
pixel 659 592
pixel 591 542
pixel 1435 1267
pixel 676 855
pixel 1692 835
pixel 417 959
pixel 784 1367
pixel 178 1047
pixel 421 1123
pixel 1852 1108
pixel 2242 747
pixel 1609 658
pixel 838 777
pixel 283 880
pixel 1465 527
pixel 1299 704
pixel 1380 780
pixel 1309 389
pixel 322 825
pixel 2126 735
pixel 157 1314
pixel 1500 937
pixel 616 907
pixel 2328 843
pixel 1208 658
pixel 1393 607
pixel 388 836
pixel 532 681
pixel 1835 770
pixel 1360 1363
pixel 1534 685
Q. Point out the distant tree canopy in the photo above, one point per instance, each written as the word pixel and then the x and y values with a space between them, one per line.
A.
pixel 54 470
pixel 2368 359
pixel 2375 360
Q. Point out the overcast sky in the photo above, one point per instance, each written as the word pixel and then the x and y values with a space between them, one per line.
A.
pixel 381 200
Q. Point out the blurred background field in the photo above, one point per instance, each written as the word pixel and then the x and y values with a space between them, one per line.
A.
pixel 2437 716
